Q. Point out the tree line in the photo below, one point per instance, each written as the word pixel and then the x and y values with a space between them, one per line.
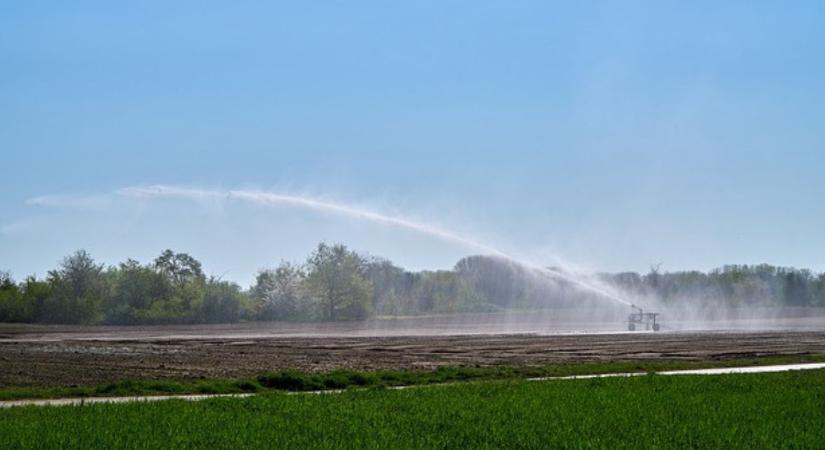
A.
pixel 730 285
pixel 336 283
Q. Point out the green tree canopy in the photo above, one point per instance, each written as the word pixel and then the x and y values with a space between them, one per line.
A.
pixel 279 294
pixel 337 281
pixel 180 268
pixel 78 290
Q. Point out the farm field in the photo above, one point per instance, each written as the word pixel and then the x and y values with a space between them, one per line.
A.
pixel 61 356
pixel 779 410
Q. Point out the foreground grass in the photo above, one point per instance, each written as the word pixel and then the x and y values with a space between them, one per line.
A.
pixel 342 379
pixel 779 410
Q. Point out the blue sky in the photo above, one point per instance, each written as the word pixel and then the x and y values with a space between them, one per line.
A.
pixel 612 135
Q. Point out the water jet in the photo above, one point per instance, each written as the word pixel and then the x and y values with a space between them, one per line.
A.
pixel 273 199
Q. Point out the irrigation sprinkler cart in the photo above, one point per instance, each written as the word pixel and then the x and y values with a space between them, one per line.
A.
pixel 641 318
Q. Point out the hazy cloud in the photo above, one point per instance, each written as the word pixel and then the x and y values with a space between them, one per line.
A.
pixel 72 201
pixel 14 228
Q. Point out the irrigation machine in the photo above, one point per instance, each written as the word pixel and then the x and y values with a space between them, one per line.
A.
pixel 637 320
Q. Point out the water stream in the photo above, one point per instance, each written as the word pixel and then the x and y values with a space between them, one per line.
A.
pixel 273 199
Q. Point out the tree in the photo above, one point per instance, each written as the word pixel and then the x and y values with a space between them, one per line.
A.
pixel 6 281
pixel 445 291
pixel 336 280
pixel 497 280
pixel 392 287
pixel 654 278
pixel 180 268
pixel 188 282
pixel 223 302
pixel 279 293
pixel 12 305
pixel 820 290
pixel 796 288
pixel 135 288
pixel 502 283
pixel 78 290
pixel 35 295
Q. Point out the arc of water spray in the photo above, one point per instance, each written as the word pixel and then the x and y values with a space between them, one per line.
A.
pixel 269 198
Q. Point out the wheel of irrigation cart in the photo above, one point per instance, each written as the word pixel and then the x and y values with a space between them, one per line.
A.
pixel 656 327
pixel 631 327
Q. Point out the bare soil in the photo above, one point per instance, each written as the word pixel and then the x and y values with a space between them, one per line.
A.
pixel 71 355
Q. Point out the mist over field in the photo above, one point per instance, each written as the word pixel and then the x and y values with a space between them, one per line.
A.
pixel 497 291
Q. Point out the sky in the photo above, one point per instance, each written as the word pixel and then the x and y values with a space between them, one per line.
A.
pixel 607 136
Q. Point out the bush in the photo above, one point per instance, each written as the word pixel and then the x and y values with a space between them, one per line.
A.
pixel 290 380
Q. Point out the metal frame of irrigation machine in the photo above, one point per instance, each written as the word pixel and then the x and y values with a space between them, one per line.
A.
pixel 642 318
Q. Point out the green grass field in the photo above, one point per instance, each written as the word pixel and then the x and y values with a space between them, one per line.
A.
pixel 784 410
